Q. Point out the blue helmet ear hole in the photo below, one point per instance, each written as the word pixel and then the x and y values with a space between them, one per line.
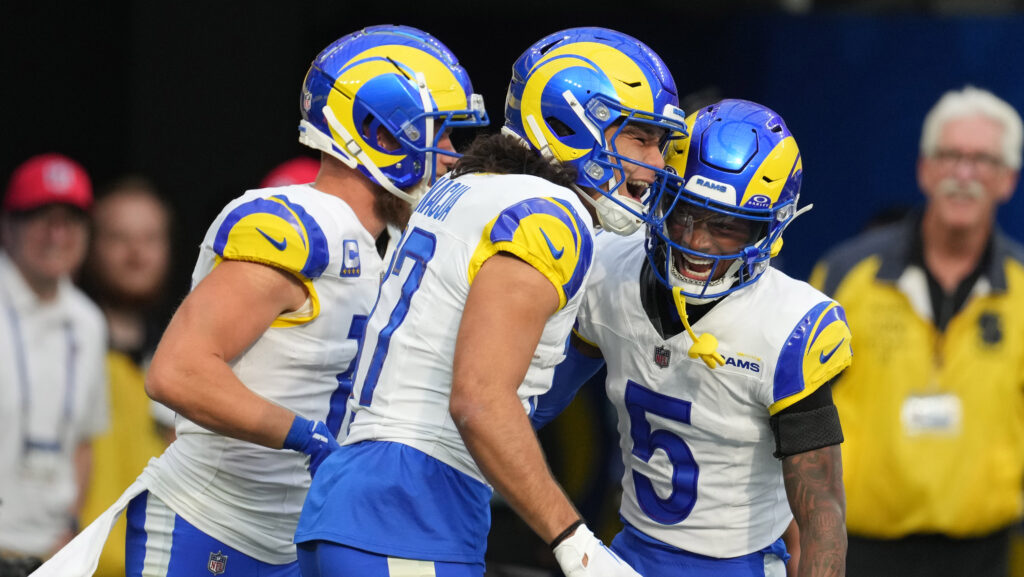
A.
pixel 558 127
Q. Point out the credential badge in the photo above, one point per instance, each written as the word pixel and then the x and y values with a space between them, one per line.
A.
pixel 218 563
pixel 662 355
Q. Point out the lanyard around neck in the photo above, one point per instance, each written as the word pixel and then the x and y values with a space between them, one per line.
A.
pixel 25 385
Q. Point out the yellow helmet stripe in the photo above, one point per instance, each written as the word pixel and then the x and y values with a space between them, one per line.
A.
pixel 442 83
pixel 679 149
pixel 774 172
pixel 630 83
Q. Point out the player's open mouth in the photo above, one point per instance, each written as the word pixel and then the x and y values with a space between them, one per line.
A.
pixel 636 188
pixel 692 267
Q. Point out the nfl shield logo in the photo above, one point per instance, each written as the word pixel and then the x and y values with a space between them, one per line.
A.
pixel 218 561
pixel 662 356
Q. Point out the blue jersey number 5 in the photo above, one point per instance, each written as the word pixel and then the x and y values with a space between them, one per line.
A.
pixel 641 401
pixel 419 246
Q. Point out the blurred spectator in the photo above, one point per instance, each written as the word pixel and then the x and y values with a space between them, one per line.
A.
pixel 53 391
pixel 933 407
pixel 125 273
pixel 299 170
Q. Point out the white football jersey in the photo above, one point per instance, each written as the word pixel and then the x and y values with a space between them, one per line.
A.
pixel 696 442
pixel 403 381
pixel 243 494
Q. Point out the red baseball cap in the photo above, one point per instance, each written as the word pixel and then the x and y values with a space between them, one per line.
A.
pixel 299 170
pixel 48 179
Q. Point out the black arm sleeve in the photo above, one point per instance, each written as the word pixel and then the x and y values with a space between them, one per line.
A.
pixel 810 423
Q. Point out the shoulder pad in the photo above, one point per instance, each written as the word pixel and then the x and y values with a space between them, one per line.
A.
pixel 817 349
pixel 276 232
pixel 546 233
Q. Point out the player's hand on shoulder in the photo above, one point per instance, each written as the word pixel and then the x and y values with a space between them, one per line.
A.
pixel 583 555
pixel 312 438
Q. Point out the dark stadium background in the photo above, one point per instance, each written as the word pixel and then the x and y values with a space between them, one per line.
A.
pixel 203 98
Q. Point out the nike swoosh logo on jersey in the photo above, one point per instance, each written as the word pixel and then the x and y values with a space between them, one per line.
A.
pixel 824 357
pixel 278 244
pixel 555 253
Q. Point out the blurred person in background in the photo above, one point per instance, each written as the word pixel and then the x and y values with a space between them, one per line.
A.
pixel 933 409
pixel 126 272
pixel 53 380
pixel 298 170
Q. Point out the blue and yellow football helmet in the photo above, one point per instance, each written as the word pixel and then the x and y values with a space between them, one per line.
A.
pixel 393 77
pixel 570 86
pixel 739 174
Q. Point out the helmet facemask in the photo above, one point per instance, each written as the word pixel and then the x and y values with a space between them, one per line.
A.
pixel 736 246
pixel 620 208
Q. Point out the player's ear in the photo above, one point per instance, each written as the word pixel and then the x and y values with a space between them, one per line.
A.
pixel 386 140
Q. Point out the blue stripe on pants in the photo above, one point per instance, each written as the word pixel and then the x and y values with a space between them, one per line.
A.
pixel 160 543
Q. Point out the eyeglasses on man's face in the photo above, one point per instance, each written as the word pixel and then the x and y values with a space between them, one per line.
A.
pixel 982 162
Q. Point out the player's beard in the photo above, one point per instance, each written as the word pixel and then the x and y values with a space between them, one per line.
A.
pixel 391 209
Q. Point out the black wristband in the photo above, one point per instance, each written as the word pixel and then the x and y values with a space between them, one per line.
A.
pixel 565 534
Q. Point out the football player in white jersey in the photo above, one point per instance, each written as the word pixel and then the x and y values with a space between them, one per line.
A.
pixel 474 314
pixel 725 435
pixel 260 355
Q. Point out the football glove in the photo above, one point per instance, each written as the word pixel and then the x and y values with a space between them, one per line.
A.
pixel 583 555
pixel 312 438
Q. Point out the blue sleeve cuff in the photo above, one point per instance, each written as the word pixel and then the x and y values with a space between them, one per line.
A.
pixel 298 435
pixel 570 375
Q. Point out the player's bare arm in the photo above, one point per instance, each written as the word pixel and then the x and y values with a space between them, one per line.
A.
pixel 225 314
pixel 814 485
pixel 791 537
pixel 507 307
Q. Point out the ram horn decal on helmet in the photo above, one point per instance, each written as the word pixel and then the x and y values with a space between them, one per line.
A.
pixel 395 79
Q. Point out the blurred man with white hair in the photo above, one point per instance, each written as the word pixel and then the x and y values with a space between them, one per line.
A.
pixel 933 407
